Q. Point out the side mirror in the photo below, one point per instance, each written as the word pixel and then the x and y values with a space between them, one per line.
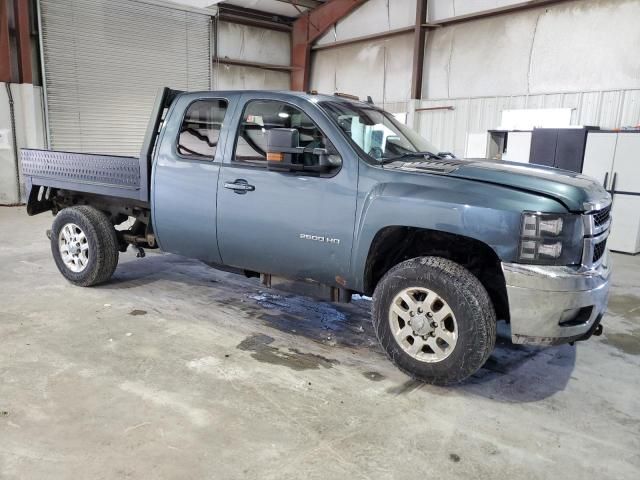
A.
pixel 282 145
pixel 284 152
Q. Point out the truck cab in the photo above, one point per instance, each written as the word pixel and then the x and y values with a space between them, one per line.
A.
pixel 212 181
pixel 336 191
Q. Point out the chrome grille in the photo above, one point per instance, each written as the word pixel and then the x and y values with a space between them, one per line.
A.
pixel 596 229
pixel 598 250
pixel 601 216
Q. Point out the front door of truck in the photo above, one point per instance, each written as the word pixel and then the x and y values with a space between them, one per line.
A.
pixel 294 224
pixel 185 176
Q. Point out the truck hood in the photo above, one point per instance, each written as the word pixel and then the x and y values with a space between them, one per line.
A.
pixel 575 191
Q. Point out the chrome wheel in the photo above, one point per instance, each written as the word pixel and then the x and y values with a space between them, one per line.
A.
pixel 74 247
pixel 423 324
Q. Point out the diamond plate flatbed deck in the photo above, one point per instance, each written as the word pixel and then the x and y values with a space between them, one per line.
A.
pixel 110 175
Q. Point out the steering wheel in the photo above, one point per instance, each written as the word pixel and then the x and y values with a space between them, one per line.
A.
pixel 376 152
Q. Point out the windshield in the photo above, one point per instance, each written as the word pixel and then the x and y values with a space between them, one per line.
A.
pixel 377 133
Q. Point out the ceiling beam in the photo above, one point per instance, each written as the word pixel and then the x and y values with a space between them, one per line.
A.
pixel 254 18
pixel 307 28
pixel 493 12
pixel 245 63
pixel 303 3
pixel 364 38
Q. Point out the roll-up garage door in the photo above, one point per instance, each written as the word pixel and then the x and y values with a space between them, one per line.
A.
pixel 104 61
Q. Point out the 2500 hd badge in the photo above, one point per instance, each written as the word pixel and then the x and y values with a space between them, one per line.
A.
pixel 320 238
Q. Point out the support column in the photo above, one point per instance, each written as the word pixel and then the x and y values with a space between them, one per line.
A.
pixel 20 109
pixel 418 48
pixel 6 70
pixel 23 37
pixel 307 28
pixel 15 42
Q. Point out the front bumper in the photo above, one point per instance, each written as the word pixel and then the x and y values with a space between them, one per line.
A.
pixel 553 305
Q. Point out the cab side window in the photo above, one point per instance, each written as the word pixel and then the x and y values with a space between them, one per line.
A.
pixel 200 129
pixel 262 115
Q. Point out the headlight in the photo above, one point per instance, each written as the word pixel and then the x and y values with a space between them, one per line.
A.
pixel 550 239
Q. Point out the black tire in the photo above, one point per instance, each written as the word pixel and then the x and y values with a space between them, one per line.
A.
pixel 470 303
pixel 102 245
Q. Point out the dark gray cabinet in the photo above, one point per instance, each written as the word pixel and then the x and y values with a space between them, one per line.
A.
pixel 559 147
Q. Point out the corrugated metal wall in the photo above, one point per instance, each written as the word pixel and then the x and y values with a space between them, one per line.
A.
pixel 574 54
pixel 251 44
pixel 378 68
pixel 104 61
pixel 448 128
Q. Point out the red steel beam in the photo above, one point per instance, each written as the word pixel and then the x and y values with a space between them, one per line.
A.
pixel 5 44
pixel 493 12
pixel 307 28
pixel 23 37
pixel 418 48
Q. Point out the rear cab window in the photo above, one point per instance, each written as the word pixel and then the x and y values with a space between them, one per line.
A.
pixel 200 129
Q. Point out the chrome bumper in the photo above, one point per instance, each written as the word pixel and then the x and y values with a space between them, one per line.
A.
pixel 552 305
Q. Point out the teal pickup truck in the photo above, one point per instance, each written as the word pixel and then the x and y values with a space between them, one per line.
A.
pixel 327 189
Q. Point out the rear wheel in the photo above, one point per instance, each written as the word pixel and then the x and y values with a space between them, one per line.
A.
pixel 434 320
pixel 84 245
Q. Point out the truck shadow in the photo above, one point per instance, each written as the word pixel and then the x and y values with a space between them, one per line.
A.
pixel 513 373
pixel 522 373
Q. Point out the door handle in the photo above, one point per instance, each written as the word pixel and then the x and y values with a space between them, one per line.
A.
pixel 239 186
pixel 606 179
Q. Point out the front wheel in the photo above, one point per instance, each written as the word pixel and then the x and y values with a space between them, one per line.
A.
pixel 434 319
pixel 84 245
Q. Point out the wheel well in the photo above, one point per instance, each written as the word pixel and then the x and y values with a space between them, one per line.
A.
pixel 396 244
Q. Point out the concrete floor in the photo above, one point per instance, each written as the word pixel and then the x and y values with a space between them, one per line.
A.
pixel 175 370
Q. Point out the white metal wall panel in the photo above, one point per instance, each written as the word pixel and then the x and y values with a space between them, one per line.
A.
pixel 448 129
pixel 241 42
pixel 565 47
pixel 373 16
pixel 381 69
pixel 104 61
pixel 234 77
pixel 630 114
pixel 443 9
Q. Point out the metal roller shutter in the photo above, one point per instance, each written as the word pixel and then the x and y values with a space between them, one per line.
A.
pixel 104 61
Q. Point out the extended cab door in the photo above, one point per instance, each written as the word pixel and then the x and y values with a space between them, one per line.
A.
pixel 294 224
pixel 185 175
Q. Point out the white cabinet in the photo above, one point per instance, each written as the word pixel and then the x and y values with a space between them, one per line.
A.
pixel 613 158
pixel 625 229
pixel 518 147
pixel 598 156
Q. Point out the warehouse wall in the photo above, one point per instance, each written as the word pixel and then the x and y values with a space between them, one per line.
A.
pixel 574 55
pixel 382 68
pixel 448 129
pixel 568 47
pixel 234 41
pixel 29 129
pixel 374 16
pixel 579 54
pixel 251 44
pixel 443 9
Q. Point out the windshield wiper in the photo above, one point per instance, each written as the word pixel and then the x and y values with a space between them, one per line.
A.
pixel 384 161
